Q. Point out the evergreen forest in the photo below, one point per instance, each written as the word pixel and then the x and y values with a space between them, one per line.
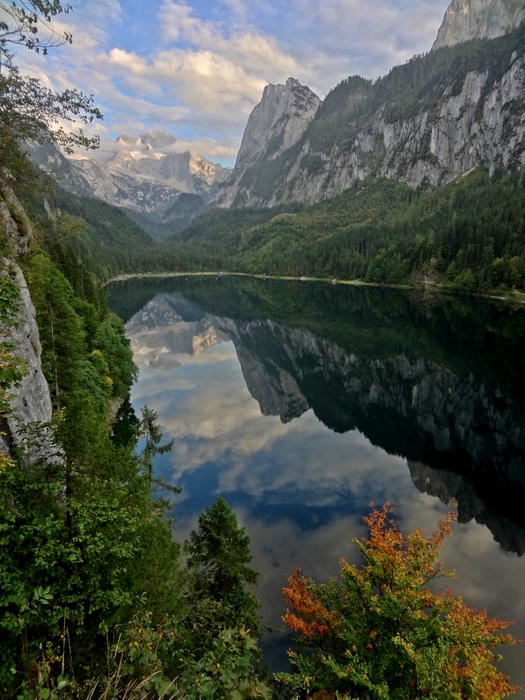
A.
pixel 467 236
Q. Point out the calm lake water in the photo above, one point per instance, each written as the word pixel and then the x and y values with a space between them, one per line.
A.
pixel 301 403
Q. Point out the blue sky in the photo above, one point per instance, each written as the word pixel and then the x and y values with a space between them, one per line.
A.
pixel 197 68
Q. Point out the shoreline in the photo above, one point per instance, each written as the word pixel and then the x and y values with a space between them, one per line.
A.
pixel 509 297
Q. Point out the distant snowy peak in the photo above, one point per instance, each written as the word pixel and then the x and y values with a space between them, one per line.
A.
pixel 154 156
pixel 149 141
pixel 154 183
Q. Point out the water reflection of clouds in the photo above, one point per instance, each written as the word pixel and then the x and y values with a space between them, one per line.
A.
pixel 278 474
pixel 218 422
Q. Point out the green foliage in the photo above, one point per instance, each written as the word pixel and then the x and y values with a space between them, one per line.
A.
pixel 379 631
pixel 380 231
pixel 222 612
pixel 219 556
pixel 225 670
pixel 21 26
pixel 109 243
pixel 386 267
pixel 12 368
pixel 96 599
pixel 62 335
pixel 75 570
pixel 110 341
pixel 30 111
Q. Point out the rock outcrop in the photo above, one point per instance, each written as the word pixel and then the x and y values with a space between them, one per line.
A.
pixel 30 401
pixel 478 19
pixel 425 123
pixel 276 124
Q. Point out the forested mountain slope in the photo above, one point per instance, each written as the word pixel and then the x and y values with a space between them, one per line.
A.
pixel 426 122
pixel 469 234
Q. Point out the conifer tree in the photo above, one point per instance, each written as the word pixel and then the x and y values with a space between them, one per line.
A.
pixel 219 554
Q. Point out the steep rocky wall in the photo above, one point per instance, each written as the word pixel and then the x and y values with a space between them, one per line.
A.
pixel 471 19
pixel 480 125
pixel 457 120
pixel 31 401
pixel 276 124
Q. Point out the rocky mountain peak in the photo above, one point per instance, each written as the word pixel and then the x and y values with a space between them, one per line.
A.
pixel 281 116
pixel 274 125
pixel 478 19
pixel 421 124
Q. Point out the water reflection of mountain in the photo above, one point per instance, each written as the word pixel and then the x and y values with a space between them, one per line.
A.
pixel 439 384
pixel 464 442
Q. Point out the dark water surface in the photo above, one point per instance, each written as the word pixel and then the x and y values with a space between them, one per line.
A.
pixel 301 403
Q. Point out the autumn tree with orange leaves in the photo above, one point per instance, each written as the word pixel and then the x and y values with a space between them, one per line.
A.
pixel 378 632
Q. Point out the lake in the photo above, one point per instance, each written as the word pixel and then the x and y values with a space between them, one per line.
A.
pixel 301 403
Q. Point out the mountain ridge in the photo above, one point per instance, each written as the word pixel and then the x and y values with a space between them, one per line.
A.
pixel 425 123
pixel 144 175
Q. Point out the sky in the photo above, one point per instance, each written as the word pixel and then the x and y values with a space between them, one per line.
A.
pixel 197 69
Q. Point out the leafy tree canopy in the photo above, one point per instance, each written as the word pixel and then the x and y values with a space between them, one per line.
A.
pixel 379 631
pixel 22 24
pixel 29 111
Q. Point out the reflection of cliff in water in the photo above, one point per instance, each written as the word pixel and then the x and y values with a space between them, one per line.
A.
pixel 464 442
pixel 438 385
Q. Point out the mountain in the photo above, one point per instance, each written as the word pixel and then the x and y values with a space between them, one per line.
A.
pixel 155 156
pixel 145 175
pixel 478 19
pixel 425 123
pixel 276 124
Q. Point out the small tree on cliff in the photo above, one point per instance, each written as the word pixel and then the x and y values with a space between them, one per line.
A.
pixel 378 632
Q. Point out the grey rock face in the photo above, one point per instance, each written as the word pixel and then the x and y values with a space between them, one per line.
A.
pixel 478 19
pixel 276 124
pixel 30 401
pixel 479 125
pixel 283 112
pixel 14 221
pixel 475 119
pixel 143 174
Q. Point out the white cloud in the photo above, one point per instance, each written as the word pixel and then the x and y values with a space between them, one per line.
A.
pixel 198 69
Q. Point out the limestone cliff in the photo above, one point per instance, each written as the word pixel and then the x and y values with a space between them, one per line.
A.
pixel 30 401
pixel 478 19
pixel 276 124
pixel 425 123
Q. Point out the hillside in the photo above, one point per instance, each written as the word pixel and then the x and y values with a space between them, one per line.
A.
pixel 469 234
pixel 426 122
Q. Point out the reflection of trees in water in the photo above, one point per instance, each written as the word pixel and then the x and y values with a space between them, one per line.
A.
pixel 407 406
pixel 438 383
